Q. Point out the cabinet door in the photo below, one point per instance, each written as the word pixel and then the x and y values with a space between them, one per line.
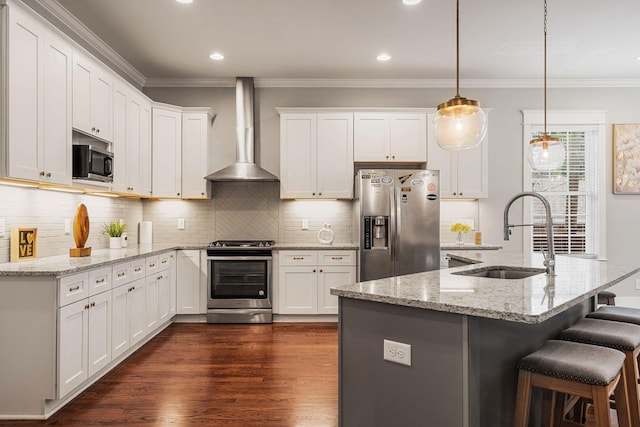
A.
pixel 136 311
pixel 195 142
pixel 120 179
pixel 297 287
pixel 446 162
pixel 25 97
pixel 101 103
pixel 298 156
pixel 164 296
pixel 57 111
pixel 335 156
pixel 151 301
pixel 370 137
pixel 408 137
pixel 328 277
pixel 167 136
pixel 73 334
pixel 132 156
pixel 119 321
pixel 473 180
pixel 145 149
pixel 99 332
pixel 188 282
pixel 82 70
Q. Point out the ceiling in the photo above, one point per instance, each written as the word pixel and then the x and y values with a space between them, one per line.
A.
pixel 339 39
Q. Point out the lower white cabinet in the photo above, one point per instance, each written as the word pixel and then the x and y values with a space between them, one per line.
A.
pixel 128 326
pixel 136 311
pixel 306 277
pixel 191 272
pixel 84 334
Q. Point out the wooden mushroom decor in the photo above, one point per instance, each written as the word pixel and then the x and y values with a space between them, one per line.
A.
pixel 80 232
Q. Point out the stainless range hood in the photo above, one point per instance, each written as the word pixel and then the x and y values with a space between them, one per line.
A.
pixel 245 168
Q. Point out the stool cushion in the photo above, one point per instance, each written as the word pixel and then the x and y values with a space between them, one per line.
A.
pixel 618 335
pixel 617 313
pixel 573 361
pixel 606 294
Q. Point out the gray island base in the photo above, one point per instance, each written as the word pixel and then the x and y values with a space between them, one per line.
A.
pixel 466 334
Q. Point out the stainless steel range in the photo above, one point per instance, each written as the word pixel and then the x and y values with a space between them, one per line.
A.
pixel 239 281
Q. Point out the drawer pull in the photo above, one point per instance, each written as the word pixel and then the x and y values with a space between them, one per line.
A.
pixel 137 269
pixel 152 265
pixel 159 278
pixel 336 257
pixel 100 280
pixel 122 274
pixel 75 288
pixel 298 257
pixel 164 261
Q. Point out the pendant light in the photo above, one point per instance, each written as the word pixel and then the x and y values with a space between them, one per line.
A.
pixel 545 153
pixel 460 123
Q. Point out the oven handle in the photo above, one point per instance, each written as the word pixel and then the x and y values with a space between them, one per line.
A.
pixel 239 258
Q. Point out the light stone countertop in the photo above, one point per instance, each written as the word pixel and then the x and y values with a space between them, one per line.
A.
pixel 530 300
pixel 468 247
pixel 316 246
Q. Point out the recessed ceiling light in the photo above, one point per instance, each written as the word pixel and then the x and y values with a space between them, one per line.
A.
pixel 216 56
pixel 411 2
pixel 383 57
pixel 185 1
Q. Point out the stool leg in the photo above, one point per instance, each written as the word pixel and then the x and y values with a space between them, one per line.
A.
pixel 523 398
pixel 601 406
pixel 622 400
pixel 631 371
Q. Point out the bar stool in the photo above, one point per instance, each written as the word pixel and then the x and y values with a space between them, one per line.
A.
pixel 576 369
pixel 606 297
pixel 620 336
pixel 617 313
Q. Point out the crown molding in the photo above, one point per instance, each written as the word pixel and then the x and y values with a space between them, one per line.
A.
pixel 78 28
pixel 397 83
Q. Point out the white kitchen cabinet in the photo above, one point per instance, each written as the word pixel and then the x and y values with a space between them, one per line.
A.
pixel 190 282
pixel 463 174
pixel 151 301
pixel 305 279
pixel 131 141
pixel 39 112
pixel 167 151
pixel 196 146
pixel 92 98
pixel 316 155
pixel 84 328
pixel 119 324
pixel 136 317
pixel 390 137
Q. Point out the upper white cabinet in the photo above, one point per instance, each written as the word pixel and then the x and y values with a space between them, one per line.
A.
pixel 167 151
pixel 92 98
pixel 196 146
pixel 131 141
pixel 463 174
pixel 390 137
pixel 39 107
pixel 316 155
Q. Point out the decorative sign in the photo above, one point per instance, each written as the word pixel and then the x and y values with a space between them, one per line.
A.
pixel 24 244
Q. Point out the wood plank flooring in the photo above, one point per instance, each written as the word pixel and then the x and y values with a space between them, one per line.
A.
pixel 285 374
pixel 280 375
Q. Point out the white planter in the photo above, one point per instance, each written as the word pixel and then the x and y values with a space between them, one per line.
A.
pixel 115 242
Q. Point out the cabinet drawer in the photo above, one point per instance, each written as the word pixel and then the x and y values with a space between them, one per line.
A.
pixel 337 258
pixel 164 260
pixel 100 280
pixel 137 268
pixel 73 288
pixel 292 258
pixel 152 265
pixel 121 274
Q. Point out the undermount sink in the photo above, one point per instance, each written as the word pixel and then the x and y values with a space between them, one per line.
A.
pixel 502 272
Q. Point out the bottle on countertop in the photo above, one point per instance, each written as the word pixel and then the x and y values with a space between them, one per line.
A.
pixel 478 238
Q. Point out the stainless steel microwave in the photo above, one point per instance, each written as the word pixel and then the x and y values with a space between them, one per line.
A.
pixel 93 163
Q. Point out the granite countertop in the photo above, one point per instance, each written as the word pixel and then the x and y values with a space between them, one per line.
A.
pixel 468 247
pixel 63 265
pixel 529 300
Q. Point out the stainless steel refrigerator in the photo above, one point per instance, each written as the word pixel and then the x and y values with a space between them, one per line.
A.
pixel 397 218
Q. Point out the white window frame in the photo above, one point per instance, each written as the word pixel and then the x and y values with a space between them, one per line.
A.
pixel 533 121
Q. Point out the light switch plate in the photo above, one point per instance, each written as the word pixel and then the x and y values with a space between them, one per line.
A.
pixel 180 223
pixel 2 227
pixel 67 226
pixel 305 224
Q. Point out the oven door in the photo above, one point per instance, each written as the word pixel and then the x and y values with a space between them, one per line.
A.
pixel 239 282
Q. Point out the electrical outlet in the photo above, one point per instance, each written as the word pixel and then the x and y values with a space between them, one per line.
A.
pixel 67 226
pixel 180 223
pixel 2 227
pixel 397 352
pixel 305 224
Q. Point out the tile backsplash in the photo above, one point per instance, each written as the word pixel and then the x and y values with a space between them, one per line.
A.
pixel 316 212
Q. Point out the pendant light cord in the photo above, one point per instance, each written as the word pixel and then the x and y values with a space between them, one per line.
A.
pixel 545 67
pixel 458 48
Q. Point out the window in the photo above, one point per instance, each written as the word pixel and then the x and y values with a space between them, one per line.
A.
pixel 575 191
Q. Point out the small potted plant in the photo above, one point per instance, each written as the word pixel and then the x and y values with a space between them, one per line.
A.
pixel 114 230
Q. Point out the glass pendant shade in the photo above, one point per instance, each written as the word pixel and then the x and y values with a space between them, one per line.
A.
pixel 546 153
pixel 460 124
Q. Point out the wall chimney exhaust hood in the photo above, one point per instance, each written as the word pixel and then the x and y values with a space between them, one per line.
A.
pixel 245 168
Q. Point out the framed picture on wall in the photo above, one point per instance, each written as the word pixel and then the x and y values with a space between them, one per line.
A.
pixel 626 158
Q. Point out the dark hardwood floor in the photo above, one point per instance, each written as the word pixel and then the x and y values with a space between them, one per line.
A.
pixel 285 374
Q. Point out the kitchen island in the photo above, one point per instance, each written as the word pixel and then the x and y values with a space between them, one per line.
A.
pixel 466 334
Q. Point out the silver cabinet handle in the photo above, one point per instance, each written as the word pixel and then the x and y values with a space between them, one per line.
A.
pixel 336 257
pixel 100 280
pixel 122 274
pixel 75 288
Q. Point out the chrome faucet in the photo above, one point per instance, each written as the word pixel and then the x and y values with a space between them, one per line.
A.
pixel 550 258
